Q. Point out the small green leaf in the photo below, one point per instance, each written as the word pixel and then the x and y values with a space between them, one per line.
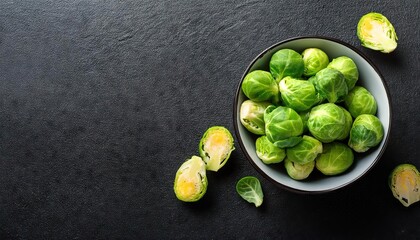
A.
pixel 249 188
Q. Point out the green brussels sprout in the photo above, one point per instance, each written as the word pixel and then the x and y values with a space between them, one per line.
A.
pixel 360 101
pixel 327 122
pixel 347 125
pixel 366 132
pixel 376 32
pixel 330 84
pixel 305 151
pixel 252 116
pixel 283 126
pixel 314 60
pixel 348 68
pixel 404 182
pixel 268 152
pixel 335 158
pixel 286 62
pixel 298 94
pixel 215 147
pixel 298 171
pixel 190 180
pixel 260 86
pixel 305 116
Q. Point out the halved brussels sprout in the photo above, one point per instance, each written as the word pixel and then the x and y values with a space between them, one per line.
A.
pixel 335 158
pixel 404 182
pixel 252 116
pixel 215 147
pixel 298 171
pixel 283 126
pixel 376 32
pixel 286 62
pixel 366 132
pixel 348 68
pixel 268 152
pixel 327 122
pixel 314 60
pixel 360 101
pixel 347 125
pixel 305 151
pixel 260 86
pixel 190 180
pixel 298 94
pixel 330 84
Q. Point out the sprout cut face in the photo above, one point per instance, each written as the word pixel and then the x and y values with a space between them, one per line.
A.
pixel 286 62
pixel 348 68
pixel 268 152
pixel 191 180
pixel 366 132
pixel 376 32
pixel 260 86
pixel 299 95
pixel 314 60
pixel 215 147
pixel 298 171
pixel 252 116
pixel 360 101
pixel 336 158
pixel 404 182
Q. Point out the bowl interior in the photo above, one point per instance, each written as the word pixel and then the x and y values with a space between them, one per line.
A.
pixel 369 77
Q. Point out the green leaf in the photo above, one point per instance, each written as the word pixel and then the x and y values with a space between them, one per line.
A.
pixel 249 188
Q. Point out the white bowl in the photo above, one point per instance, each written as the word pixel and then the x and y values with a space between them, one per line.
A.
pixel 369 77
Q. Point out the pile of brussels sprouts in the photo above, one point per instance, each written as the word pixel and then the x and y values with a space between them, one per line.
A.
pixel 308 112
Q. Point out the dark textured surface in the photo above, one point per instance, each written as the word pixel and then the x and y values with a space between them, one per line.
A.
pixel 101 101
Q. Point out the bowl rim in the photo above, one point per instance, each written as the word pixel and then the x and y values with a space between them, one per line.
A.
pixel 235 115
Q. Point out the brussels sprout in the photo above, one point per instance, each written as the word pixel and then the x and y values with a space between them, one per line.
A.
pixel 298 171
pixel 298 94
pixel 376 32
pixel 404 182
pixel 335 158
pixel 330 84
pixel 260 86
pixel 305 116
pixel 268 152
pixel 305 151
pixel 283 126
pixel 190 180
pixel 314 60
pixel 215 147
pixel 348 68
pixel 347 125
pixel 252 116
pixel 249 188
pixel 286 62
pixel 366 132
pixel 360 101
pixel 327 122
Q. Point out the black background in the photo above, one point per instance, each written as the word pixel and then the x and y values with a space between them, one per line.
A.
pixel 101 102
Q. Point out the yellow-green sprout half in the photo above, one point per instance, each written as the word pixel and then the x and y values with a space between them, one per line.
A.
pixel 215 147
pixel 404 182
pixel 191 180
pixel 376 32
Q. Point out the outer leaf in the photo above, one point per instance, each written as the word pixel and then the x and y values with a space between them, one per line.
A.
pixel 249 188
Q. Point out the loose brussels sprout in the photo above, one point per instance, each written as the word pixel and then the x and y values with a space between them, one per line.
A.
pixel 366 132
pixel 260 86
pixel 252 116
pixel 335 158
pixel 190 180
pixel 348 68
pixel 347 125
pixel 330 84
pixel 268 152
pixel 298 94
pixel 376 32
pixel 298 171
pixel 286 62
pixel 360 101
pixel 327 122
pixel 215 147
pixel 404 182
pixel 314 60
pixel 283 126
pixel 305 151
